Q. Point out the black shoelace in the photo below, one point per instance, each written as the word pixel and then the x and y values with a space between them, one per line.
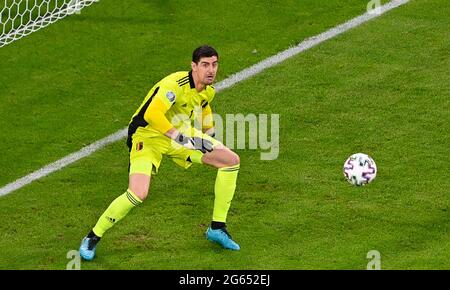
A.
pixel 226 232
pixel 93 242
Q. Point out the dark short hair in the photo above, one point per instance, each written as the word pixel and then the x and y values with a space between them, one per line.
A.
pixel 203 51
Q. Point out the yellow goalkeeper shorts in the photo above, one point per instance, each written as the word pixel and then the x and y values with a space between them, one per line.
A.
pixel 146 153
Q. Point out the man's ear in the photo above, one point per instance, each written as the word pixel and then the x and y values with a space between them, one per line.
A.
pixel 193 66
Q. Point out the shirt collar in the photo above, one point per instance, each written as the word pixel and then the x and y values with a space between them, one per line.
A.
pixel 191 80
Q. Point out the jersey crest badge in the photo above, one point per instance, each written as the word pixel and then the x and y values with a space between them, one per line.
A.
pixel 170 96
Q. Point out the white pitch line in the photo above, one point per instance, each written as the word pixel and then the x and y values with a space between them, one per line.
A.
pixel 61 163
pixel 226 83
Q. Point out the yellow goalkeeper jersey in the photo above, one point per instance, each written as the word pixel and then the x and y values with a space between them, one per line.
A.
pixel 177 92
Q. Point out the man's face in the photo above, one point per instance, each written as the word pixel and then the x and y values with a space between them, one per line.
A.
pixel 206 69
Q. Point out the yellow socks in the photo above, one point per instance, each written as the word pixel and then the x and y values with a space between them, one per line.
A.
pixel 121 206
pixel 116 211
pixel 224 191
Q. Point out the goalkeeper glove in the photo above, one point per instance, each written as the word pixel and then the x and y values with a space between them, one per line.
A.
pixel 194 143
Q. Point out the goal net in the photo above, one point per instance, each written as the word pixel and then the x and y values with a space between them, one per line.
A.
pixel 19 18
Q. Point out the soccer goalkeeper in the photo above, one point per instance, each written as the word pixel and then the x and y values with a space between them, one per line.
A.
pixel 163 125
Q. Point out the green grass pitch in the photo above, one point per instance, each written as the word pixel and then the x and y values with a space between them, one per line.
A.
pixel 382 88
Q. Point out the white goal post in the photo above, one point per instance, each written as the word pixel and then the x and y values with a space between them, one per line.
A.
pixel 19 18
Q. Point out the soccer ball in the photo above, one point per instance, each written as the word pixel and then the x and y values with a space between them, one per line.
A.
pixel 360 169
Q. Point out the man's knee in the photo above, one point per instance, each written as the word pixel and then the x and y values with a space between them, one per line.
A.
pixel 142 193
pixel 222 157
pixel 234 159
pixel 230 159
pixel 139 184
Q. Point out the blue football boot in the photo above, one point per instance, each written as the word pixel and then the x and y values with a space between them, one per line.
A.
pixel 87 248
pixel 222 237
